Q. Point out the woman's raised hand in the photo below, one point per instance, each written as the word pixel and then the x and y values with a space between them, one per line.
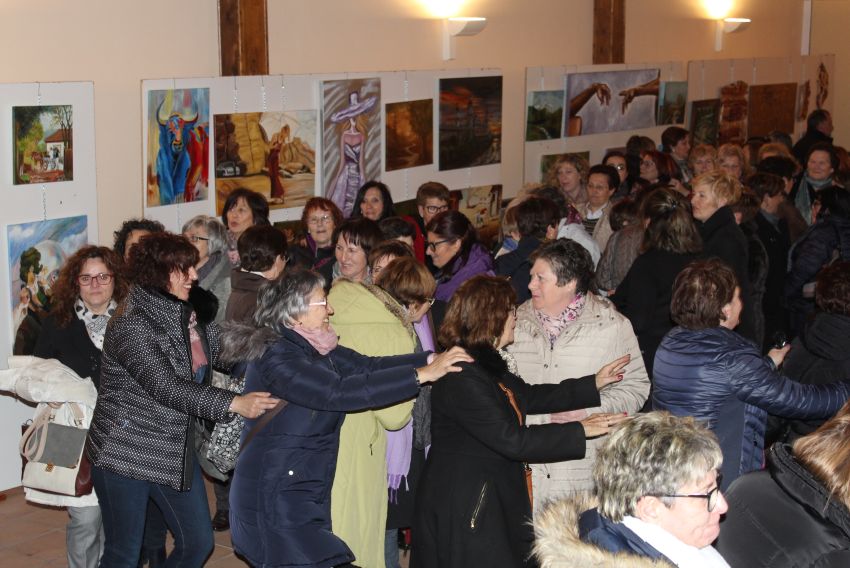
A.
pixel 443 363
pixel 253 404
pixel 612 372
pixel 601 423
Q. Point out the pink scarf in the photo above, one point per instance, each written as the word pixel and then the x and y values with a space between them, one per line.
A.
pixel 554 326
pixel 323 340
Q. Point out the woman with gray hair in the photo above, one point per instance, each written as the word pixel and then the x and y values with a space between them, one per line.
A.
pixel 659 501
pixel 209 236
pixel 280 496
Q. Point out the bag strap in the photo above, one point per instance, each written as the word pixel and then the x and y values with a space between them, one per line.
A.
pixel 263 422
pixel 31 445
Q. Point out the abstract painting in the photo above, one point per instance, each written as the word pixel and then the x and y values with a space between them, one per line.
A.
pixel 771 108
pixel 470 122
pixel 178 147
pixel 482 205
pixel 37 250
pixel 610 101
pixel 410 134
pixel 43 144
pixel 544 116
pixel 272 153
pixel 705 121
pixel 548 160
pixel 671 102
pixel 351 143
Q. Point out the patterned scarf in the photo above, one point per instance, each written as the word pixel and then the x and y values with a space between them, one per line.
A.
pixel 95 323
pixel 199 358
pixel 554 326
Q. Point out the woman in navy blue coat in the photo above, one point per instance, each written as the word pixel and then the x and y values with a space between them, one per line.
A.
pixel 705 370
pixel 280 497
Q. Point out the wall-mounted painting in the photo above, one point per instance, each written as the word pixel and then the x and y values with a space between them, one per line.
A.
pixel 705 121
pixel 43 144
pixel 351 143
pixel 482 205
pixel 771 108
pixel 610 101
pixel 37 251
pixel 671 102
pixel 733 114
pixel 823 86
pixel 470 122
pixel 272 153
pixel 410 134
pixel 178 149
pixel 544 116
pixel 804 93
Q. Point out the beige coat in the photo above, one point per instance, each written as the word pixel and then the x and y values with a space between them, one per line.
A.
pixel 599 336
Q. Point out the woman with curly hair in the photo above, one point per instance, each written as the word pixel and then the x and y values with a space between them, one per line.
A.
pixel 569 174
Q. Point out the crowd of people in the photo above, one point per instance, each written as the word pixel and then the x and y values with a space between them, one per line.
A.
pixel 645 334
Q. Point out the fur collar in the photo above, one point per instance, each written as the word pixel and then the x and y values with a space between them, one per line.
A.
pixel 490 360
pixel 244 342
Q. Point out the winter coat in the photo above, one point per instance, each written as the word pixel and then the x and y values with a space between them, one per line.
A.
pixel 70 345
pixel 784 517
pixel 559 544
pixel 280 510
pixel 472 506
pixel 620 253
pixel 757 271
pixel 370 322
pixel 244 287
pixel 148 398
pixel 776 241
pixel 217 281
pixel 723 239
pixel 597 337
pixel 516 266
pixel 718 377
pixel 478 262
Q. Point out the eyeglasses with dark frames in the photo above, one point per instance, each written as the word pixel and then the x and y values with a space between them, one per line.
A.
pixel 434 209
pixel 101 278
pixel 712 497
pixel 433 246
pixel 196 238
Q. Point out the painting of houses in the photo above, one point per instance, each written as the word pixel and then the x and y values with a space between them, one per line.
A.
pixel 470 122
pixel 43 144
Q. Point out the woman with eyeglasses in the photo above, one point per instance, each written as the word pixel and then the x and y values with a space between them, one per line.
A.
pixel 319 220
pixel 89 289
pixel 209 236
pixel 452 243
pixel 657 503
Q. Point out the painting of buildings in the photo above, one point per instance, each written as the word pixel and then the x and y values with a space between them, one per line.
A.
pixel 43 144
pixel 470 123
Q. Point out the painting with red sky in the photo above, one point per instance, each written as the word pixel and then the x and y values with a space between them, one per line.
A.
pixel 470 122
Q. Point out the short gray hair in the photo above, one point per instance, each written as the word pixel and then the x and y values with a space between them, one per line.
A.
pixel 283 301
pixel 569 261
pixel 653 454
pixel 215 229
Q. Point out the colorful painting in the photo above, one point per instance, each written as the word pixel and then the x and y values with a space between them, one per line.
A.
pixel 610 101
pixel 544 116
pixel 804 93
pixel 705 121
pixel 351 143
pixel 410 134
pixel 671 102
pixel 470 122
pixel 548 160
pixel 771 108
pixel 482 205
pixel 37 251
pixel 43 144
pixel 272 153
pixel 178 146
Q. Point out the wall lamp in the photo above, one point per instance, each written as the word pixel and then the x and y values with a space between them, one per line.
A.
pixel 728 26
pixel 453 27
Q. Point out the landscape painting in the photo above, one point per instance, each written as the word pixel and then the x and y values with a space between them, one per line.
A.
pixel 610 101
pixel 771 108
pixel 272 153
pixel 672 100
pixel 470 122
pixel 351 138
pixel 544 116
pixel 409 134
pixel 178 149
pixel 705 121
pixel 37 251
pixel 43 144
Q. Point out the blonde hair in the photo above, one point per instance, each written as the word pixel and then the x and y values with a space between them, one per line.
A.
pixel 579 163
pixel 826 454
pixel 723 185
pixel 702 150
pixel 775 149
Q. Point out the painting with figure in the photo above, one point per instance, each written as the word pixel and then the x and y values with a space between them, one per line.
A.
pixel 705 121
pixel 771 108
pixel 410 134
pixel 470 122
pixel 544 115
pixel 823 86
pixel 351 143
pixel 610 101
pixel 37 251
pixel 178 148
pixel 671 102
pixel 43 144
pixel 482 205
pixel 272 153
pixel 548 160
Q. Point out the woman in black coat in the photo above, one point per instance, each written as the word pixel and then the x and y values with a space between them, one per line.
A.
pixel 474 504
pixel 797 512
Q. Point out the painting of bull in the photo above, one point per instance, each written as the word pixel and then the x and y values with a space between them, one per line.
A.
pixel 178 146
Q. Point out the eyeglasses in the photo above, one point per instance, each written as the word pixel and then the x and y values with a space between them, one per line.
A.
pixel 712 497
pixel 196 238
pixel 433 246
pixel 319 303
pixel 87 279
pixel 430 301
pixel 434 209
pixel 618 167
pixel 319 220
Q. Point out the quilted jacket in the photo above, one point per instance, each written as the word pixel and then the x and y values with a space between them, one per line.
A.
pixel 717 376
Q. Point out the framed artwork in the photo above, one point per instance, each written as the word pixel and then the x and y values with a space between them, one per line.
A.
pixel 804 92
pixel 272 153
pixel 733 114
pixel 610 101
pixel 705 121
pixel 544 116
pixel 470 123
pixel 672 99
pixel 178 149
pixel 43 144
pixel 823 86
pixel 409 134
pixel 482 205
pixel 771 108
